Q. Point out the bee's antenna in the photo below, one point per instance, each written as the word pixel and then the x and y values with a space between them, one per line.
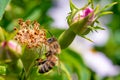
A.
pixel 50 33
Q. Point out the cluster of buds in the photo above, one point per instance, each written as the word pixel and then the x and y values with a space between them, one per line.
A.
pixel 30 35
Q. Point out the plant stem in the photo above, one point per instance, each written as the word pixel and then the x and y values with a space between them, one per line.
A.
pixel 66 38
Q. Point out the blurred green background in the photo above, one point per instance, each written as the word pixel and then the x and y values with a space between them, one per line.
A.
pixel 73 62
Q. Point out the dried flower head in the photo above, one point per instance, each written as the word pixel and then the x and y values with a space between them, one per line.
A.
pixel 30 35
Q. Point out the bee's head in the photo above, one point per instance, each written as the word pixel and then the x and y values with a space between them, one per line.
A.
pixel 50 40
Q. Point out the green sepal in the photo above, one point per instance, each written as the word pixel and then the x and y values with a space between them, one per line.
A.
pixel 94 28
pixel 87 31
pixel 97 9
pixel 86 38
pixel 91 2
pixel 71 16
pixel 98 27
pixel 104 13
pixel 72 6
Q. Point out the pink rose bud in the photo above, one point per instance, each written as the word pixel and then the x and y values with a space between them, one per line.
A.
pixel 82 20
pixel 82 14
pixel 10 51
pixel 12 45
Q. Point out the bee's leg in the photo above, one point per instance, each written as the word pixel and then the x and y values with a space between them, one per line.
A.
pixel 45 66
pixel 41 69
pixel 40 61
pixel 59 66
pixel 48 53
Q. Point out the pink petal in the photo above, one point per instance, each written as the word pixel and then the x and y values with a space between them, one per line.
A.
pixel 14 46
pixel 87 11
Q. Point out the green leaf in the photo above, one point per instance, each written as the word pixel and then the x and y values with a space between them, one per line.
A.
pixel 66 71
pixel 34 15
pixel 2 70
pixel 28 59
pixel 3 4
pixel 53 74
pixel 76 63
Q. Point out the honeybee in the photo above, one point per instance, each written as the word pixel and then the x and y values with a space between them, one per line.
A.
pixel 48 64
pixel 51 56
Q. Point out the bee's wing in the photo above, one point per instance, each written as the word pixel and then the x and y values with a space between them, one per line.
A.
pixel 42 50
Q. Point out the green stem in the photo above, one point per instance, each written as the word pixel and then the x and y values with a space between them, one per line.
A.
pixel 66 72
pixel 66 38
